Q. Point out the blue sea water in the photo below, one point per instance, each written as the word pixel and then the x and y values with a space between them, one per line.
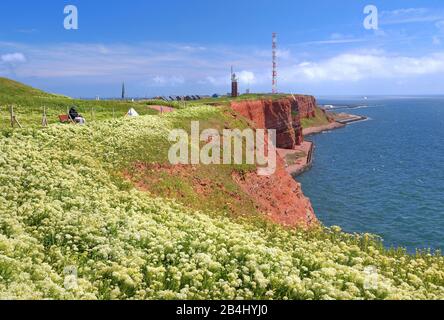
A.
pixel 385 175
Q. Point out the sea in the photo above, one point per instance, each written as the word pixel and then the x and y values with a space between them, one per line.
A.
pixel 385 175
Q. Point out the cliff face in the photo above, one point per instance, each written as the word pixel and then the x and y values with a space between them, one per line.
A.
pixel 284 115
pixel 279 114
pixel 306 106
pixel 279 195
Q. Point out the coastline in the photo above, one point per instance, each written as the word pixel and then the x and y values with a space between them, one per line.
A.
pixel 320 129
pixel 298 166
pixel 295 164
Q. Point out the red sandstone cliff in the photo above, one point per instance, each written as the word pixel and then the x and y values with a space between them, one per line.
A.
pixel 279 195
pixel 306 106
pixel 284 115
pixel 273 114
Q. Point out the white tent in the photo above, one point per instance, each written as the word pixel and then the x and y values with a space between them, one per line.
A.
pixel 132 113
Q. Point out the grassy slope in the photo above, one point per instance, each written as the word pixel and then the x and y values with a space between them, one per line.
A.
pixel 29 102
pixel 319 120
pixel 221 194
pixel 225 101
pixel 66 205
pixel 17 89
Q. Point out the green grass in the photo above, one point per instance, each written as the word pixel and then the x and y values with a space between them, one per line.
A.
pixel 226 100
pixel 16 89
pixel 319 120
pixel 67 205
pixel 292 158
pixel 221 194
pixel 29 104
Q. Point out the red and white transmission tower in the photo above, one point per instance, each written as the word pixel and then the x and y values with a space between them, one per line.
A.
pixel 274 88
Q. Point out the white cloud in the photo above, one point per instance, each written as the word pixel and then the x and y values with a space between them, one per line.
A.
pixel 216 81
pixel 163 66
pixel 337 38
pixel 27 31
pixel 410 15
pixel 440 25
pixel 168 81
pixel 159 80
pixel 352 67
pixel 13 57
pixel 282 54
pixel 246 77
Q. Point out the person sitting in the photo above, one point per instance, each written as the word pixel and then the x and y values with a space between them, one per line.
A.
pixel 75 116
pixel 73 113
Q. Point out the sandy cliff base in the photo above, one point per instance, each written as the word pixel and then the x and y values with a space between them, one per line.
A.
pixel 299 159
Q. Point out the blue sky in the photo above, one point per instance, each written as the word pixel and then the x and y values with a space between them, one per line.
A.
pixel 179 47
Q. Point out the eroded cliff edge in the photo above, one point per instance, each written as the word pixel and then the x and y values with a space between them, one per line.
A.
pixel 280 195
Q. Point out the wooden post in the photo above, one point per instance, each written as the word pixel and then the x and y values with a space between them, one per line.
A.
pixel 45 118
pixel 14 119
pixel 11 113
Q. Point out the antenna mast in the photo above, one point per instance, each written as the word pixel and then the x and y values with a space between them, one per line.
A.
pixel 274 85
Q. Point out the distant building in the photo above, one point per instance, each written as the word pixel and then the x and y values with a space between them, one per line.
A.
pixel 234 85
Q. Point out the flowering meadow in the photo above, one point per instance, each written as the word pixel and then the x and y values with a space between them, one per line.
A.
pixel 72 228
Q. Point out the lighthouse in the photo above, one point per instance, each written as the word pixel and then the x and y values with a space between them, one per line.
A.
pixel 234 84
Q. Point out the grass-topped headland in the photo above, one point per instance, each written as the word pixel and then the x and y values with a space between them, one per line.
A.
pixel 320 119
pixel 29 104
pixel 67 203
pixel 65 206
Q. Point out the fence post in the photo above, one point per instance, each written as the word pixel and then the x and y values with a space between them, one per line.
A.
pixel 45 118
pixel 11 113
pixel 13 117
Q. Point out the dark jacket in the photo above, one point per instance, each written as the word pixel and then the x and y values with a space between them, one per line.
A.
pixel 73 114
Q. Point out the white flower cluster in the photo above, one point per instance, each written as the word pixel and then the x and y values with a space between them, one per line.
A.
pixel 63 207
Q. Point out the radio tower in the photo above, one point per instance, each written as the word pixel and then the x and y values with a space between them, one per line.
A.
pixel 274 90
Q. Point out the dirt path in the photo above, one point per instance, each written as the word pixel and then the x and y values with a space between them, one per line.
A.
pixel 162 109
